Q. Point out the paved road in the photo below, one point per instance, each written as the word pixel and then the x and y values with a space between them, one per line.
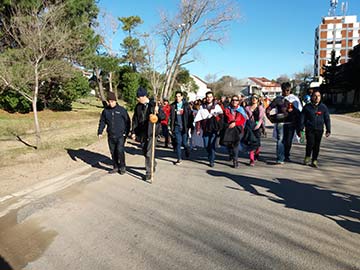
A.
pixel 193 216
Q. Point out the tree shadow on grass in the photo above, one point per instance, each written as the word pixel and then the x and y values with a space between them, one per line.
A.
pixel 91 158
pixel 343 208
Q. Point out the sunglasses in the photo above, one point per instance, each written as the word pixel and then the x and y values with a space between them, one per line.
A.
pixel 234 100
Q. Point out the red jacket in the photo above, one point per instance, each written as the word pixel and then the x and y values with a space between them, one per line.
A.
pixel 237 117
pixel 166 109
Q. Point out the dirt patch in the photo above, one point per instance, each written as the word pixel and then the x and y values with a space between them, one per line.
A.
pixel 22 243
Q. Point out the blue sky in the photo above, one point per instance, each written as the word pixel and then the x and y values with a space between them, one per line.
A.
pixel 266 41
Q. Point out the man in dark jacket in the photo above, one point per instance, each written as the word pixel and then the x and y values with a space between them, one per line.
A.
pixel 313 117
pixel 142 128
pixel 117 120
pixel 181 119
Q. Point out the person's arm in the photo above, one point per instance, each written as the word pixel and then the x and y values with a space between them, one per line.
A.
pixel 102 124
pixel 327 121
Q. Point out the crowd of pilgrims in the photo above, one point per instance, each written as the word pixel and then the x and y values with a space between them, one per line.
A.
pixel 236 122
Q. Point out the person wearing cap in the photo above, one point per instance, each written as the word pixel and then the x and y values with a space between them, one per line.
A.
pixel 117 121
pixel 142 128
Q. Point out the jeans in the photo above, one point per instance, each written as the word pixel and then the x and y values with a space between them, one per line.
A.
pixel 313 140
pixel 289 131
pixel 117 151
pixel 209 144
pixel 181 140
pixel 280 148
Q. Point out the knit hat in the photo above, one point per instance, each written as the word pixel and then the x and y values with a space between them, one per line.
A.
pixel 111 96
pixel 141 92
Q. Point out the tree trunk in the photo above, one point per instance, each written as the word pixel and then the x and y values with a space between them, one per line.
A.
pixel 100 84
pixel 34 103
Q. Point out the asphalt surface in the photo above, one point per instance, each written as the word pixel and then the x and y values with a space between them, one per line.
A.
pixel 193 216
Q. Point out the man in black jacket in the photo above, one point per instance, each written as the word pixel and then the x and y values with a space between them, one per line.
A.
pixel 181 119
pixel 117 120
pixel 313 117
pixel 142 128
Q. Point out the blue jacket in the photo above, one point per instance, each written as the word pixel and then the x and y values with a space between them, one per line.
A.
pixel 117 121
pixel 314 117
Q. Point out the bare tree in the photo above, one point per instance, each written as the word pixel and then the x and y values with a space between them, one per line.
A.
pixel 43 40
pixel 197 21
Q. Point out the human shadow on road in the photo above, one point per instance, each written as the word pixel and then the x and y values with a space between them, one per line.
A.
pixel 343 208
pixel 4 265
pixel 90 158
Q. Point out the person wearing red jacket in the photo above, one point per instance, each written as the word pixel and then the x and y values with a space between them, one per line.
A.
pixel 235 118
pixel 164 123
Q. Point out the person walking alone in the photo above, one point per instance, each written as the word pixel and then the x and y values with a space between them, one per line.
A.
pixel 313 117
pixel 117 121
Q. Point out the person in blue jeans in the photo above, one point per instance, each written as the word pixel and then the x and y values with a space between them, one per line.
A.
pixel 181 119
pixel 209 119
pixel 279 118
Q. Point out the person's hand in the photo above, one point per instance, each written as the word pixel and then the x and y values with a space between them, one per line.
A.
pixel 257 127
pixel 232 125
pixel 99 136
pixel 327 134
pixel 156 110
pixel 133 137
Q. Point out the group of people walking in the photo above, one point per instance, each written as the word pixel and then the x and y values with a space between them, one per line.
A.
pixel 232 123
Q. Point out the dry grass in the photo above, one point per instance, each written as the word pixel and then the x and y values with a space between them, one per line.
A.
pixel 59 130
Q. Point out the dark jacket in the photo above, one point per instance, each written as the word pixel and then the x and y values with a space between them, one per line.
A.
pixel 281 110
pixel 314 117
pixel 141 125
pixel 186 116
pixel 117 121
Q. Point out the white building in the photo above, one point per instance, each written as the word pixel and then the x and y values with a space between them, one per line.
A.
pixel 200 94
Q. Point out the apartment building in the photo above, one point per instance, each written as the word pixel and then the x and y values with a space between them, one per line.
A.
pixel 339 33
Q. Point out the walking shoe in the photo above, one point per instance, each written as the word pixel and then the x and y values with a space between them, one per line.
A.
pixel 278 162
pixel 178 162
pixel 252 163
pixel 122 171
pixel 147 177
pixel 307 161
pixel 287 159
pixel 211 164
pixel 115 170
pixel 315 164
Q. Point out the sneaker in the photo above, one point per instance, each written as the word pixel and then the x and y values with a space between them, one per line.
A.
pixel 178 162
pixel 122 171
pixel 287 160
pixel 315 164
pixel 147 177
pixel 252 163
pixel 307 161
pixel 278 162
pixel 115 170
pixel 212 164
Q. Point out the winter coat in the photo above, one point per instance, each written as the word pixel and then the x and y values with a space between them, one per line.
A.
pixel 141 125
pixel 314 117
pixel 186 116
pixel 117 121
